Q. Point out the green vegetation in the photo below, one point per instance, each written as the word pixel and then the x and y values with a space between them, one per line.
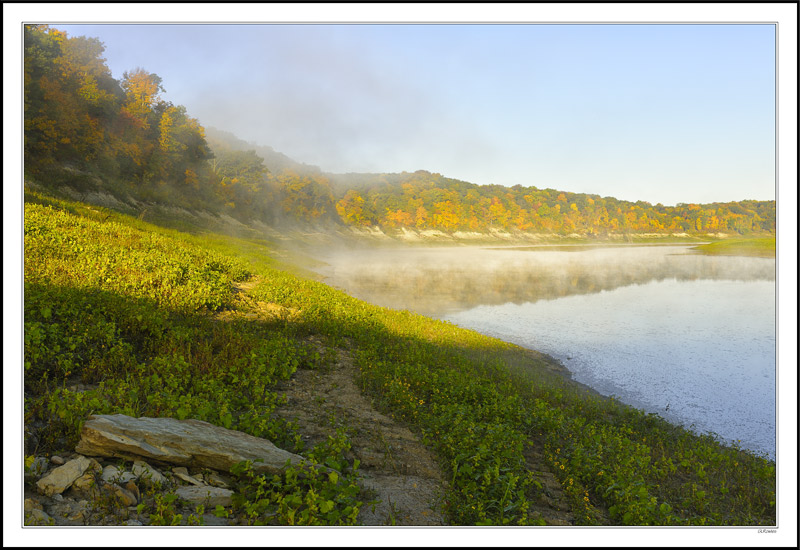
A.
pixel 740 247
pixel 156 322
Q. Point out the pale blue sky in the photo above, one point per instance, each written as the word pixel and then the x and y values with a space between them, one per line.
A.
pixel 661 112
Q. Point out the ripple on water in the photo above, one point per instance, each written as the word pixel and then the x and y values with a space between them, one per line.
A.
pixel 705 348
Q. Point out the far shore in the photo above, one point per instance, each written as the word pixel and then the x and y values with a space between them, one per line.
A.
pixel 762 247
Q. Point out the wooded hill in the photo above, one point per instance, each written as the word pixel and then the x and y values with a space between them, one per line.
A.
pixel 88 131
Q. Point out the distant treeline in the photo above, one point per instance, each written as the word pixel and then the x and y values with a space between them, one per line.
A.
pixel 431 201
pixel 87 130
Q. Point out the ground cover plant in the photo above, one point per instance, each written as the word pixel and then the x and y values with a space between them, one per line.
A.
pixel 126 317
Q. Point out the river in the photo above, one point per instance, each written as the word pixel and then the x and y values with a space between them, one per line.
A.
pixel 686 336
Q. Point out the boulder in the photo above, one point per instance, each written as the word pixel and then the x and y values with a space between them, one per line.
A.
pixel 181 442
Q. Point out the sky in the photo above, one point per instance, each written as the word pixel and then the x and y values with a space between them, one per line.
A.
pixel 665 113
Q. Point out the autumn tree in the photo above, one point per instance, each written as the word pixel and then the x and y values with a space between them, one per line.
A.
pixel 142 91
pixel 351 209
pixel 181 147
pixel 69 99
pixel 306 197
pixel 82 125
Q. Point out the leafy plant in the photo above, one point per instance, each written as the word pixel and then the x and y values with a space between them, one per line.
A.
pixel 125 317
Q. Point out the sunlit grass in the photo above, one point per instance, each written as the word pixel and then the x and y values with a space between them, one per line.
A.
pixel 129 309
pixel 763 247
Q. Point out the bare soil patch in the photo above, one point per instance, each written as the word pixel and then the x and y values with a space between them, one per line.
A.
pixel 404 484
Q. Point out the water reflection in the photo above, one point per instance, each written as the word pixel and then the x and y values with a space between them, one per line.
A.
pixel 699 353
pixel 655 325
pixel 436 281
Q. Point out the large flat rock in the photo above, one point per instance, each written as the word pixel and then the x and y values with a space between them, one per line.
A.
pixel 181 442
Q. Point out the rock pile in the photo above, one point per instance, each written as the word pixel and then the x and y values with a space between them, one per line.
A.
pixel 119 459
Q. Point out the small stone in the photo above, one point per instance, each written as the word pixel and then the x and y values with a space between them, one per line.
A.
pixel 79 511
pixel 113 474
pixel 57 460
pixel 126 497
pixel 133 489
pixel 133 522
pixel 39 466
pixel 216 480
pixel 206 495
pixel 82 503
pixel 86 482
pixel 59 479
pixel 38 517
pixel 183 473
pixel 31 504
pixel 147 474
pixel 210 520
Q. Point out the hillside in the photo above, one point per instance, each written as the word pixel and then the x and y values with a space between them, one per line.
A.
pixel 88 134
pixel 214 329
pixel 125 317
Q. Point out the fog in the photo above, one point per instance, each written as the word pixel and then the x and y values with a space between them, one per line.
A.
pixel 657 326
pixel 502 104
pixel 439 280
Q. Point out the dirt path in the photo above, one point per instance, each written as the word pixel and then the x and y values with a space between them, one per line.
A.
pixel 403 483
pixel 399 474
pixel 551 503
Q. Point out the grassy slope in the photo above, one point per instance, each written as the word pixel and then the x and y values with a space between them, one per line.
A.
pixel 763 247
pixel 132 311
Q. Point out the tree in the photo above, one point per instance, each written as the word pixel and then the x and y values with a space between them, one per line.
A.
pixel 497 213
pixel 399 218
pixel 142 94
pixel 351 208
pixel 182 146
pixel 445 216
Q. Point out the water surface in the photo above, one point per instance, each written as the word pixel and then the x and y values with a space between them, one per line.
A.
pixel 699 353
pixel 687 336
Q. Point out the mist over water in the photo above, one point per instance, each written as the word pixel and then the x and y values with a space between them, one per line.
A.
pixel 686 336
pixel 439 280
